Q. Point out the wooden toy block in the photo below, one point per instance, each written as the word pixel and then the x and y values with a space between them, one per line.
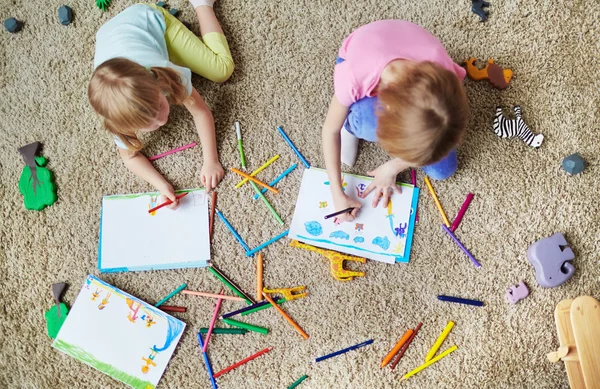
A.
pixel 497 76
pixel 336 261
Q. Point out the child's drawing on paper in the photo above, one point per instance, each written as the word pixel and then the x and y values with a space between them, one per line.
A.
pixel 344 183
pixel 95 294
pixel 199 198
pixel 104 301
pixel 323 204
pixel 400 231
pixel 136 355
pixel 153 203
pixel 358 227
pixel 314 228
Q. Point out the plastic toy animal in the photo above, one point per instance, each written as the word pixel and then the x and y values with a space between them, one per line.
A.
pixel 36 182
pixel 288 294
pixel 551 258
pixel 477 7
pixel 507 128
pixel 573 164
pixel 497 76
pixel 336 261
pixel 514 293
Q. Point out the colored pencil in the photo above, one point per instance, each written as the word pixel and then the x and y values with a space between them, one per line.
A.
pixel 245 309
pixel 413 181
pixel 176 150
pixel 459 300
pixel 338 213
pixel 297 382
pixel 436 346
pixel 405 347
pixel 233 231
pixel 260 169
pixel 228 283
pixel 172 308
pixel 427 364
pixel 246 326
pixel 167 202
pixel 271 241
pixel 396 348
pixel 279 178
pixel 211 326
pixel 173 293
pixel 343 351
pixel 262 305
pixel 213 204
pixel 259 277
pixel 243 361
pixel 461 212
pixel 462 247
pixel 207 363
pixel 238 133
pixel 228 331
pixel 212 295
pixel 286 316
pixel 293 147
pixel 269 206
pixel 437 202
pixel 256 181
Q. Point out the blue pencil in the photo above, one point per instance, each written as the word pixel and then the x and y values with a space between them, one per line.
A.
pixel 173 293
pixel 335 354
pixel 262 246
pixel 207 363
pixel 289 142
pixel 459 300
pixel 249 307
pixel 233 231
pixel 275 181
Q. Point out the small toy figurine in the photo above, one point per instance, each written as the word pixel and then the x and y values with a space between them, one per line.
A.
pixel 573 164
pixel 13 25
pixel 551 258
pixel 508 128
pixel 336 261
pixel 288 294
pixel 36 183
pixel 477 7
pixel 514 293
pixel 497 76
pixel 65 15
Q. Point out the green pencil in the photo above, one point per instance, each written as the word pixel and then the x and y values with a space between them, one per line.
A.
pixel 231 331
pixel 279 302
pixel 238 132
pixel 246 326
pixel 298 382
pixel 173 293
pixel 264 199
pixel 230 285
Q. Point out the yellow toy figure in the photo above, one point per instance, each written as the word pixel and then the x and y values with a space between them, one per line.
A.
pixel 288 293
pixel 336 261
pixel 104 301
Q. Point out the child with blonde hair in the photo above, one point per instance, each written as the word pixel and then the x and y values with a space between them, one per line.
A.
pixel 395 85
pixel 143 62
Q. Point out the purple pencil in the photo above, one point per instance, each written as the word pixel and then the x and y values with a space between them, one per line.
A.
pixel 461 212
pixel 178 149
pixel 462 247
pixel 413 181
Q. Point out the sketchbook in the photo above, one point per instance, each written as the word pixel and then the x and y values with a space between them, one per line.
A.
pixel 381 234
pixel 132 239
pixel 118 334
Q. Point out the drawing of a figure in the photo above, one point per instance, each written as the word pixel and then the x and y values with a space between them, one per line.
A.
pixel 360 188
pixel 104 301
pixel 400 231
pixel 323 204
pixel 96 294
pixel 134 306
pixel 153 203
pixel 149 320
pixel 149 361
pixel 359 227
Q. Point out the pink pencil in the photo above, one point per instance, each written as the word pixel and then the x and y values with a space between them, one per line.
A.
pixel 212 323
pixel 461 212
pixel 413 181
pixel 172 152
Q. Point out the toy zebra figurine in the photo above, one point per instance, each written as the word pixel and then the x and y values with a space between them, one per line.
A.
pixel 508 128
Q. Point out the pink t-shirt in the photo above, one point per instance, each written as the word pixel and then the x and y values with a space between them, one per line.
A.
pixel 371 47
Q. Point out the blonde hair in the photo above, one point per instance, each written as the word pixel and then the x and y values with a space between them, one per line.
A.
pixel 423 115
pixel 126 96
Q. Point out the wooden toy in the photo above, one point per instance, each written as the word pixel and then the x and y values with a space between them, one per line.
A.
pixel 13 25
pixel 56 316
pixel 497 76
pixel 477 7
pixel 507 128
pixel 65 15
pixel 578 326
pixel 573 164
pixel 514 293
pixel 550 258
pixel 288 294
pixel 336 261
pixel 36 183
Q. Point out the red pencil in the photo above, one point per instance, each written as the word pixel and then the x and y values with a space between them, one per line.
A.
pixel 172 308
pixel 167 202
pixel 240 363
pixel 213 203
pixel 405 347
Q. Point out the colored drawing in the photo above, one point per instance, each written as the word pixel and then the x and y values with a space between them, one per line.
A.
pixel 199 198
pixel 344 183
pixel 360 188
pixel 322 204
pixel 358 227
pixel 359 239
pixel 400 231
pixel 314 228
pixel 339 235
pixel 135 354
pixel 104 301
pixel 153 203
pixel 96 294
pixel 384 242
pixel 399 248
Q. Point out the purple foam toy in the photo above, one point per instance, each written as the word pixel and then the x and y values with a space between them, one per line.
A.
pixel 550 258
pixel 514 293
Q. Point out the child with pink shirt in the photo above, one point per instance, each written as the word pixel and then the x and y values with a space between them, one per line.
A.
pixel 395 85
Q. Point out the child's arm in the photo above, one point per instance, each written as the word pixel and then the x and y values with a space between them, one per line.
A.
pixel 336 115
pixel 141 167
pixel 384 183
pixel 212 171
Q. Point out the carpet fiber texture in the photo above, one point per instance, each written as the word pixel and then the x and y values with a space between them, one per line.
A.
pixel 284 53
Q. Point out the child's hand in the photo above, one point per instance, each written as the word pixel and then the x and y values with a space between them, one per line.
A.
pixel 167 192
pixel 342 202
pixel 384 184
pixel 211 174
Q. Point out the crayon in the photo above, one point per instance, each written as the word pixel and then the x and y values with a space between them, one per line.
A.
pixel 260 169
pixel 173 293
pixel 293 147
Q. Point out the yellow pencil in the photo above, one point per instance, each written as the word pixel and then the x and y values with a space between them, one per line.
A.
pixel 256 181
pixel 396 348
pixel 259 277
pixel 438 343
pixel 260 169
pixel 437 202
pixel 431 362
pixel 286 316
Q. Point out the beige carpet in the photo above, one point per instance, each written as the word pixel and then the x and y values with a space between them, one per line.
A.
pixel 284 53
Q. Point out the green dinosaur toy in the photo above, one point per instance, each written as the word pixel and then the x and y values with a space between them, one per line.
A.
pixel 36 183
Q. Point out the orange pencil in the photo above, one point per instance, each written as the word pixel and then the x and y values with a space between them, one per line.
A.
pixel 256 181
pixel 259 277
pixel 213 203
pixel 167 202
pixel 286 316
pixel 396 348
